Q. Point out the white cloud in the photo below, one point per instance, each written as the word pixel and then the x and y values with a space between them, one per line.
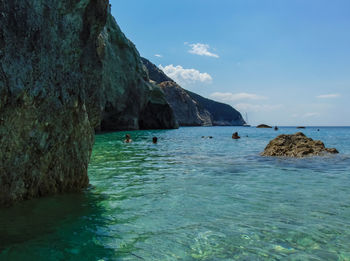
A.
pixel 158 55
pixel 247 107
pixel 328 96
pixel 185 76
pixel 310 114
pixel 201 49
pixel 230 97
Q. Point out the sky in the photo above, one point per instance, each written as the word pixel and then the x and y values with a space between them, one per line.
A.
pixel 281 62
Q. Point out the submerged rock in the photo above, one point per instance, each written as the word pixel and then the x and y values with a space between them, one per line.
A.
pixel 65 67
pixel 296 145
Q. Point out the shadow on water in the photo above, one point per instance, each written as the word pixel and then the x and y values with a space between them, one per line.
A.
pixel 58 227
pixel 189 198
pixel 325 163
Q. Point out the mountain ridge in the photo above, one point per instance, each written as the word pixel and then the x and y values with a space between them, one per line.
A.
pixel 192 109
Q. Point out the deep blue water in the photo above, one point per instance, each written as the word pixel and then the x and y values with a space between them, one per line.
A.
pixel 189 198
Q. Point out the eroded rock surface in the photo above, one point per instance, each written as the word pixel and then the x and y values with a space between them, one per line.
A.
pixel 221 114
pixel 49 65
pixel 187 111
pixel 296 145
pixel 65 67
pixel 128 100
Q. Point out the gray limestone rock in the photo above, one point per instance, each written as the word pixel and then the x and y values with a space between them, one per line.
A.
pixel 128 100
pixel 65 67
pixel 48 67
pixel 187 111
pixel 190 108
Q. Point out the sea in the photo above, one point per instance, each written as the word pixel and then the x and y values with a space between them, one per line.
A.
pixel 191 197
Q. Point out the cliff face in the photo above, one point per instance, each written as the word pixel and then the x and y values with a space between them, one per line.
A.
pixel 187 111
pixel 154 73
pixel 128 100
pixel 192 109
pixel 222 114
pixel 64 67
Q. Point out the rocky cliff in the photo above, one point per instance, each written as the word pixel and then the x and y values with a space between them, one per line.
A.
pixel 128 100
pixel 187 111
pixel 192 109
pixel 221 114
pixel 65 67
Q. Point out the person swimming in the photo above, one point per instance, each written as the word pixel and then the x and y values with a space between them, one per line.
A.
pixel 235 136
pixel 155 140
pixel 276 128
pixel 128 138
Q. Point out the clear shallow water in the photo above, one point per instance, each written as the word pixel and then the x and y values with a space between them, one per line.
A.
pixel 189 198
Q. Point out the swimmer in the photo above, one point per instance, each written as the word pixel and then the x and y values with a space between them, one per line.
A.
pixel 155 140
pixel 128 138
pixel 235 136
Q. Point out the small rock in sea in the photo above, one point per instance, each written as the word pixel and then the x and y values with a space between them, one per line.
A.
pixel 297 146
pixel 264 126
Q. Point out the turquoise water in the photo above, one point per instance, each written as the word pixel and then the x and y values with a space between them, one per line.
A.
pixel 189 198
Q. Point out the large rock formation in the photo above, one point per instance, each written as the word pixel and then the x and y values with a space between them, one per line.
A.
pixel 64 66
pixel 297 145
pixel 128 99
pixel 188 112
pixel 154 73
pixel 221 114
pixel 192 109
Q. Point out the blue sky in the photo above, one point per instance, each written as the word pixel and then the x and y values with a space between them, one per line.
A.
pixel 284 62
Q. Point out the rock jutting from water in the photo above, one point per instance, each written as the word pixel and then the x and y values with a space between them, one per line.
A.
pixel 296 145
pixel 264 126
pixel 65 70
pixel 190 108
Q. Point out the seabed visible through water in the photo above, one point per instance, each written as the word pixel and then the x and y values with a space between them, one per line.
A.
pixel 189 198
